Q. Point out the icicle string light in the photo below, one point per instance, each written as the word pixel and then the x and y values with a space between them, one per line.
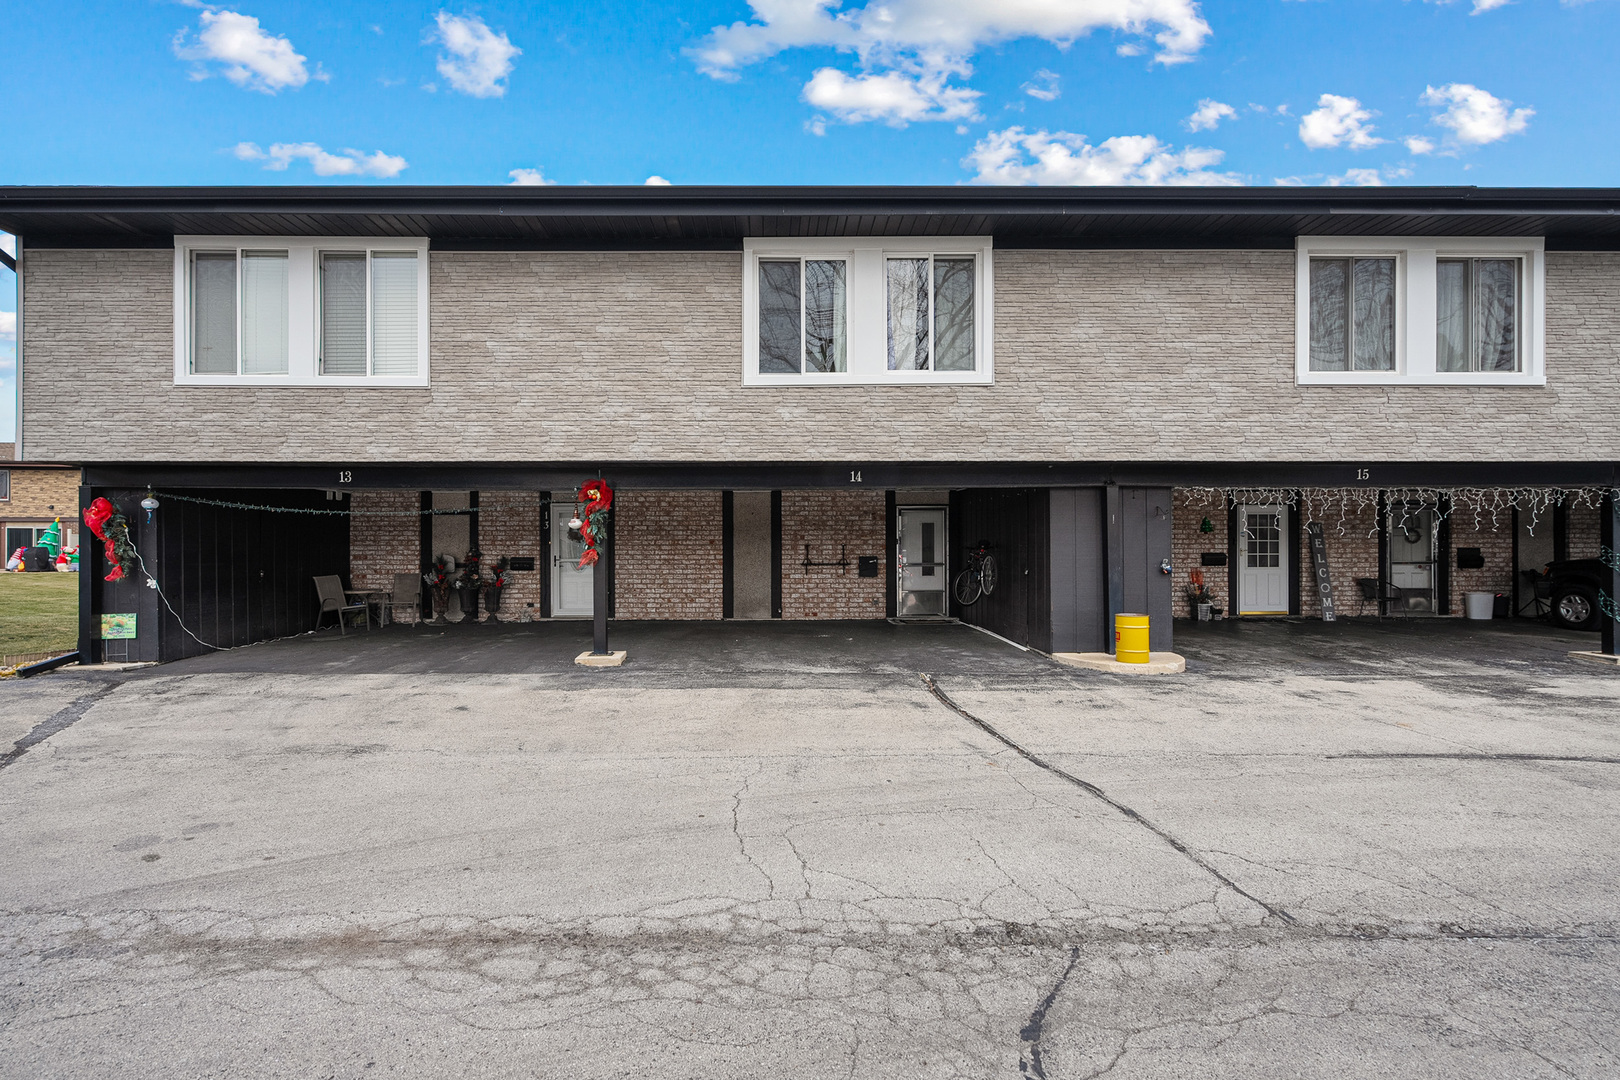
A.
pixel 1494 504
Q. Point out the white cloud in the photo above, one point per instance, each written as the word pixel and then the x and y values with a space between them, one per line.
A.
pixel 8 244
pixel 8 326
pixel 1208 114
pixel 656 181
pixel 1351 178
pixel 1015 156
pixel 885 32
pixel 1417 144
pixel 346 163
pixel 1474 116
pixel 1337 121
pixel 251 57
pixel 1043 86
pixel 476 58
pixel 1488 5
pixel 893 97
pixel 528 178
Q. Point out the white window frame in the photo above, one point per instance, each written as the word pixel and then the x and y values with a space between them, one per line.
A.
pixel 303 307
pixel 1416 310
pixel 866 360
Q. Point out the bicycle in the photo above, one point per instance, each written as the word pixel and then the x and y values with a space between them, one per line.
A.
pixel 979 579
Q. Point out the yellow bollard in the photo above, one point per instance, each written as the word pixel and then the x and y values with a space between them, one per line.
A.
pixel 1131 639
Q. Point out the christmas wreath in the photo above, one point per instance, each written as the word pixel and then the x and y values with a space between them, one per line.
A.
pixel 112 529
pixel 597 498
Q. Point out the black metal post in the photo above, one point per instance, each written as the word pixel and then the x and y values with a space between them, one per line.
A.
pixel 1609 575
pixel 599 590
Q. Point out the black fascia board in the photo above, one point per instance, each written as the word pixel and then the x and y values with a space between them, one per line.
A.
pixel 876 475
pixel 1261 217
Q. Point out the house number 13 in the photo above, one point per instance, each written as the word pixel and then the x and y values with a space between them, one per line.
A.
pixel 345 477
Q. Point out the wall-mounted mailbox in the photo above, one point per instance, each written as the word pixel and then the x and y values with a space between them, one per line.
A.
pixel 867 565
pixel 1212 558
pixel 525 562
pixel 1470 559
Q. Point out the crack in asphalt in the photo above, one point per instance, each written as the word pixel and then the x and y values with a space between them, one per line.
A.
pixel 1030 1063
pixel 63 719
pixel 1092 789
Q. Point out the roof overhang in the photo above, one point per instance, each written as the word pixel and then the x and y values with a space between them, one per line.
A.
pixel 721 217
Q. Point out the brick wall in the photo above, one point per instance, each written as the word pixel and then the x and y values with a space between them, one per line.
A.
pixel 1179 355
pixel 827 521
pixel 669 557
pixel 509 525
pixel 1351 540
pixel 35 492
pixel 1473 526
pixel 1187 543
pixel 383 545
pixel 1583 530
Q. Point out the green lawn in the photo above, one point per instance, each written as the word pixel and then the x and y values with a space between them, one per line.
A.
pixel 38 612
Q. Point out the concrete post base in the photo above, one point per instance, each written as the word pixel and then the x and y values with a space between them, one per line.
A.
pixel 610 659
pixel 1159 663
pixel 1597 658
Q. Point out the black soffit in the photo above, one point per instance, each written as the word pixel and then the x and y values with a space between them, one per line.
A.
pixel 485 218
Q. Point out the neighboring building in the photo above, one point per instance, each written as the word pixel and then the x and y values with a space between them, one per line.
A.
pixel 811 401
pixel 32 496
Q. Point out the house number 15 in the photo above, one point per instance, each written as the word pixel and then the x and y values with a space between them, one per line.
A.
pixel 1363 474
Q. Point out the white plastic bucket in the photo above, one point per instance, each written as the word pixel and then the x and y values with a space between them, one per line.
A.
pixel 1480 604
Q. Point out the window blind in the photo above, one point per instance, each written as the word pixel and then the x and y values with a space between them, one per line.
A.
pixel 393 313
pixel 264 313
pixel 213 313
pixel 343 313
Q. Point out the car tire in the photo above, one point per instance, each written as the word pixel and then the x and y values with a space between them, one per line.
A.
pixel 1575 607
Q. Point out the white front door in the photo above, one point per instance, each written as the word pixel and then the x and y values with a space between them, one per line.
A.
pixel 1262 560
pixel 922 566
pixel 573 591
pixel 1412 556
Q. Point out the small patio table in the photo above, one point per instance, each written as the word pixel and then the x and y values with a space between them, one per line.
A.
pixel 379 597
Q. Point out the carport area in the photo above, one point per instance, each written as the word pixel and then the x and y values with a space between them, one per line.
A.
pixel 1347 850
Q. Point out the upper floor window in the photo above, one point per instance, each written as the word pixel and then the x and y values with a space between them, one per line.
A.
pixel 1435 310
pixel 300 311
pixel 867 310
pixel 5 485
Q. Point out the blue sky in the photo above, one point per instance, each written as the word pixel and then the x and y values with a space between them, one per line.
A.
pixel 808 92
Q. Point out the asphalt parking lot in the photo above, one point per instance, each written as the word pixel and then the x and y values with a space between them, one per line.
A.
pixel 780 851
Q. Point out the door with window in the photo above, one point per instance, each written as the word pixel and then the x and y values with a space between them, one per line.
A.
pixel 1411 558
pixel 1263 560
pixel 573 591
pixel 921 565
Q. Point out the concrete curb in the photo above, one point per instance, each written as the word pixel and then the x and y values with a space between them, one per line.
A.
pixel 1159 663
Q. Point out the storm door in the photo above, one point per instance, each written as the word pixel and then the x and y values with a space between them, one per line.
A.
pixel 1262 560
pixel 922 564
pixel 572 589
pixel 1411 558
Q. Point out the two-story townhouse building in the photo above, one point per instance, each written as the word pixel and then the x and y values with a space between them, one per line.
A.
pixel 812 401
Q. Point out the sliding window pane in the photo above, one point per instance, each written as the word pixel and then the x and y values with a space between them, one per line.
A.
pixel 780 341
pixel 1330 303
pixel 393 313
pixel 1496 298
pixel 908 314
pixel 213 313
pixel 1451 311
pixel 264 313
pixel 1375 314
pixel 953 314
pixel 343 313
pixel 825 316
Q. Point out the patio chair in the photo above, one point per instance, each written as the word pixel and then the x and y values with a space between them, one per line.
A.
pixel 330 591
pixel 407 594
pixel 1540 586
pixel 1375 590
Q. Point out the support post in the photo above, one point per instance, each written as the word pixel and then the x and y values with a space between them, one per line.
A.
pixel 1609 576
pixel 1114 548
pixel 599 593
